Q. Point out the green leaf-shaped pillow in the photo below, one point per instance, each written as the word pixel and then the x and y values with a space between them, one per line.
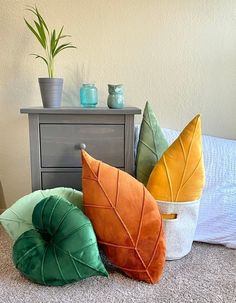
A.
pixel 18 218
pixel 63 247
pixel 151 145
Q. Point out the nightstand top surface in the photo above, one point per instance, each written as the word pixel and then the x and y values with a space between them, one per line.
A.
pixel 81 111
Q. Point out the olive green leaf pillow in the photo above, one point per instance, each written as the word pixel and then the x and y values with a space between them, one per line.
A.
pixel 61 249
pixel 18 218
pixel 151 145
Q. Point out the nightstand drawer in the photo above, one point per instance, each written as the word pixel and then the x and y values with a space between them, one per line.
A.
pixel 60 144
pixel 56 135
pixel 64 179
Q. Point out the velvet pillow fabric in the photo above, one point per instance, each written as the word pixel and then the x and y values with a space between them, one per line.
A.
pixel 126 220
pixel 151 145
pixel 18 218
pixel 177 182
pixel 61 249
pixel 179 175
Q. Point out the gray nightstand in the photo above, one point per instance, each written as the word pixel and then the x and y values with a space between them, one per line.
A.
pixel 57 135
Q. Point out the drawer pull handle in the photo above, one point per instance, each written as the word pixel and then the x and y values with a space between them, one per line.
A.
pixel 82 146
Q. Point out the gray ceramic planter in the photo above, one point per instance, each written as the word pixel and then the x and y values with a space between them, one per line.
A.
pixel 51 91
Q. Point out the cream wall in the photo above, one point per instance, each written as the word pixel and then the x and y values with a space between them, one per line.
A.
pixel 178 54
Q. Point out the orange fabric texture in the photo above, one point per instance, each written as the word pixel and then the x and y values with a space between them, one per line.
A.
pixel 125 218
pixel 179 175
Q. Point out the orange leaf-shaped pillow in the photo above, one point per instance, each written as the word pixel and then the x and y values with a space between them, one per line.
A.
pixel 179 175
pixel 125 218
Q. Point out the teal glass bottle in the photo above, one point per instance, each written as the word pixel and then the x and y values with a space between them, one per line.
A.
pixel 116 96
pixel 88 95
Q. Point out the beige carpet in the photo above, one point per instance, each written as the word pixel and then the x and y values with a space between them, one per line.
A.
pixel 207 274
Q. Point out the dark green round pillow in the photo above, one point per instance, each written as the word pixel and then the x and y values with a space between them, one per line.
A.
pixel 62 249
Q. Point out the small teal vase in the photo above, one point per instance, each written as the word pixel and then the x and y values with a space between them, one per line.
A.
pixel 88 95
pixel 116 96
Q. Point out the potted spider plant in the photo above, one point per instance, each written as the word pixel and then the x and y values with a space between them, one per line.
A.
pixel 51 42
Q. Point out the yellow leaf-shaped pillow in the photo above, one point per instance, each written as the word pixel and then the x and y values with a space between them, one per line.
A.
pixel 179 175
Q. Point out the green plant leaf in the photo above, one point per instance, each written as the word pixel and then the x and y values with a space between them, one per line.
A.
pixel 56 41
pixel 41 20
pixel 64 36
pixel 53 41
pixel 59 35
pixel 70 46
pixel 41 57
pixel 32 10
pixel 41 33
pixel 35 11
pixel 56 49
pixel 60 48
pixel 34 32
